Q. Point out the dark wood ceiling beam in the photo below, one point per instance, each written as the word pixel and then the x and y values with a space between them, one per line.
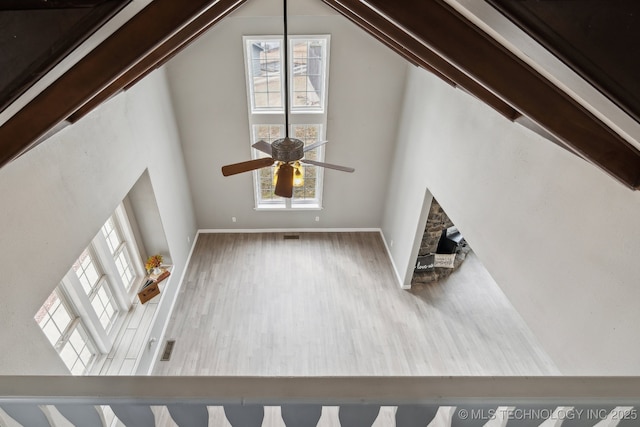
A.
pixel 417 53
pixel 440 27
pixel 160 55
pixel 143 33
pixel 386 40
pixel 47 4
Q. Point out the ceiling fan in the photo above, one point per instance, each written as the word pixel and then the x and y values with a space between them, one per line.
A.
pixel 286 152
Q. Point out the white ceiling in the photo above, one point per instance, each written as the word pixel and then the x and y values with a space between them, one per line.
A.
pixel 366 87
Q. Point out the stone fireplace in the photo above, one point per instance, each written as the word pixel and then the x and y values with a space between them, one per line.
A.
pixel 437 221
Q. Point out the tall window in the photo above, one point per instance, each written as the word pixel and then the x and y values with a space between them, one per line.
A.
pixel 308 62
pixel 119 250
pixel 96 286
pixel 80 316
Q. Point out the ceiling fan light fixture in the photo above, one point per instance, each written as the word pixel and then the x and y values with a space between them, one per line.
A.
pixel 276 169
pixel 298 175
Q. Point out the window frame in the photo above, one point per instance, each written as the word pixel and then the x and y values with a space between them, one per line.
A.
pixel 297 117
pixel 78 301
pixel 76 323
pixel 125 247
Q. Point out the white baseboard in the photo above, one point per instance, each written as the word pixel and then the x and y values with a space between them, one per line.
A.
pixel 393 264
pixel 289 230
pixel 173 303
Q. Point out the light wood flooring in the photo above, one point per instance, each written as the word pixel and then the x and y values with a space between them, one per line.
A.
pixel 328 304
pixel 129 344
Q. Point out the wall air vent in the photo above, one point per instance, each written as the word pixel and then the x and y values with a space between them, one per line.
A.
pixel 168 349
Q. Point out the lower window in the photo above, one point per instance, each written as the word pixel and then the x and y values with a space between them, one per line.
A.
pixel 66 334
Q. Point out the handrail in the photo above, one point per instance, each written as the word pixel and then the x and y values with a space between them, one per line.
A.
pixel 317 390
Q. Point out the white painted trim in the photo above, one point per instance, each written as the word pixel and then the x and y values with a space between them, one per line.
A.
pixel 393 264
pixel 154 359
pixel 288 230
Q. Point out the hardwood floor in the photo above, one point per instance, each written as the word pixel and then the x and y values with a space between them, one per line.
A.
pixel 328 304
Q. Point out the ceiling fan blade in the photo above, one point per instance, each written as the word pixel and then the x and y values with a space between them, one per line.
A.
pixel 314 145
pixel 246 166
pixel 284 186
pixel 329 165
pixel 263 146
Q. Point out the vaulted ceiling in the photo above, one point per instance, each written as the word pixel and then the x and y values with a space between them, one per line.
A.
pixel 596 41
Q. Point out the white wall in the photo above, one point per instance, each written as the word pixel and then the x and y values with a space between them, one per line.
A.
pixel 56 197
pixel 557 234
pixel 208 87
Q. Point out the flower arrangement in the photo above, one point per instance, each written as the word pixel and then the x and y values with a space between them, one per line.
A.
pixel 154 261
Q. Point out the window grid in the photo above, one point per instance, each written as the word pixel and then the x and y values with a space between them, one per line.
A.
pixel 86 271
pixel 76 352
pixel 308 74
pixel 75 325
pixel 54 318
pixel 308 134
pixel 265 176
pixel 308 67
pixel 265 74
pixel 96 286
pixel 124 265
pixel 66 334
pixel 111 235
pixel 118 248
pixel 102 303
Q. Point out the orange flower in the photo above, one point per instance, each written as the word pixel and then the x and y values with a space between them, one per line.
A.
pixel 153 262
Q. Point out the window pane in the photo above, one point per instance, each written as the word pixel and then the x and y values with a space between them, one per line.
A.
pixel 53 318
pixel 86 356
pixel 308 74
pixel 69 357
pixel 308 192
pixel 77 341
pixel 265 66
pixel 125 269
pixel 264 176
pixel 104 305
pixel 77 353
pixel 52 332
pixel 86 271
pixel 61 317
pixel 111 235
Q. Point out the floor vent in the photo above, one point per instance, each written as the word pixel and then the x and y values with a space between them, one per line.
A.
pixel 168 349
pixel 291 237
